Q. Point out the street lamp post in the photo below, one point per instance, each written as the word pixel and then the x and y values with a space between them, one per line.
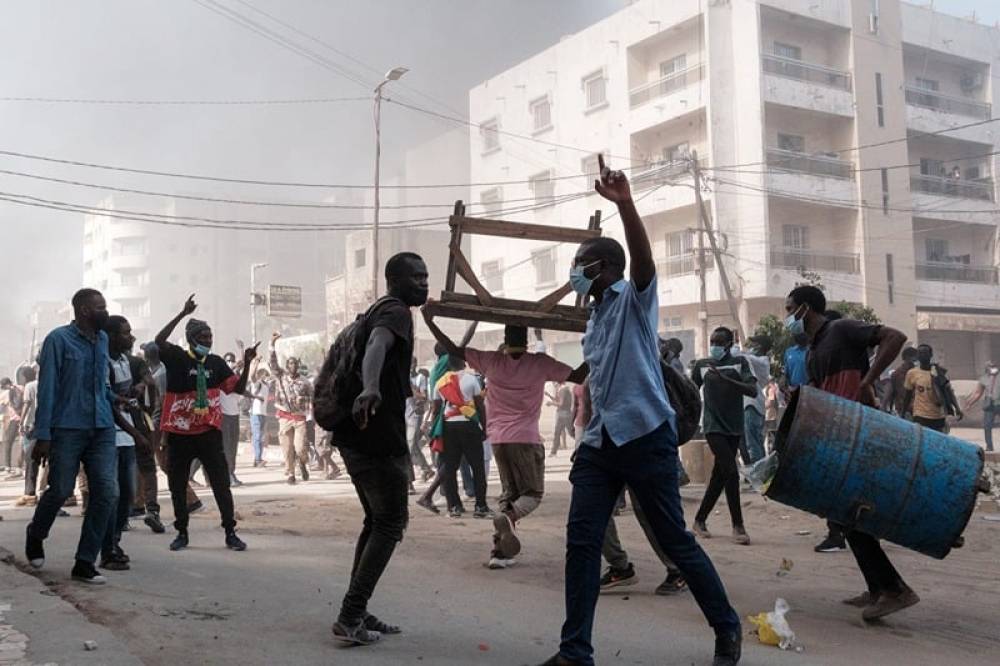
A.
pixel 254 301
pixel 393 74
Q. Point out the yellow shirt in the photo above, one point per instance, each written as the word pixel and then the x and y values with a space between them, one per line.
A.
pixel 925 402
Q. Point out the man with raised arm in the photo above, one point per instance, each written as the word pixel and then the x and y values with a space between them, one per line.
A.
pixel 192 418
pixel 631 438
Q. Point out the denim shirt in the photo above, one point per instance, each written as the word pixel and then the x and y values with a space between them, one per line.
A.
pixel 626 383
pixel 73 383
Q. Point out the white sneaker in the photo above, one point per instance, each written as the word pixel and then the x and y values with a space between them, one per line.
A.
pixel 501 563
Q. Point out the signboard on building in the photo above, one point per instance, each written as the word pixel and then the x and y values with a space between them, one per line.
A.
pixel 284 301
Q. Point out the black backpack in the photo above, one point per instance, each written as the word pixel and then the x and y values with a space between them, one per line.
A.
pixel 339 381
pixel 686 401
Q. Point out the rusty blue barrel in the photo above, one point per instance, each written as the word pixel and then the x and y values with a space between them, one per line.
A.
pixel 875 473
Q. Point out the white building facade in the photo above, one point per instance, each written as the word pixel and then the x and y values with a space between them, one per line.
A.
pixel 850 140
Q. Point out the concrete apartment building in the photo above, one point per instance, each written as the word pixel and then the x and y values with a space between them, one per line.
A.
pixel 851 139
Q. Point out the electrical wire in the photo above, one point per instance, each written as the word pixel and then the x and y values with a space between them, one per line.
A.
pixel 186 102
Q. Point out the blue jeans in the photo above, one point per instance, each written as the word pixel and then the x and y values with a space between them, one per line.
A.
pixel 648 465
pixel 126 495
pixel 753 434
pixel 989 419
pixel 257 426
pixel 96 450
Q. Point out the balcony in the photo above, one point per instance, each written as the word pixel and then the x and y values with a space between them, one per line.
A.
pixel 814 165
pixel 980 189
pixel 811 260
pixel 957 106
pixel 939 271
pixel 665 86
pixel 658 173
pixel 790 68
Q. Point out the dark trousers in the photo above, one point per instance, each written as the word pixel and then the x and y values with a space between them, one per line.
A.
pixel 648 465
pixel 381 484
pixel 880 575
pixel 206 447
pixel 149 485
pixel 563 431
pixel 416 452
pixel 31 468
pixel 725 476
pixel 126 491
pixel 940 425
pixel 230 440
pixel 463 438
pixel 989 418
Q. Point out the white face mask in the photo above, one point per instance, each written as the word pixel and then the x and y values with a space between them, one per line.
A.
pixel 994 370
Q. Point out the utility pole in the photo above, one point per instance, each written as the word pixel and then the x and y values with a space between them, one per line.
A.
pixel 254 301
pixel 707 230
pixel 393 74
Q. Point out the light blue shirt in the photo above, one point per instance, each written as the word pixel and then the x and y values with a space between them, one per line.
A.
pixel 626 382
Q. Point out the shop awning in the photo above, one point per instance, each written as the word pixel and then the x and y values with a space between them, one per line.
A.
pixel 958 321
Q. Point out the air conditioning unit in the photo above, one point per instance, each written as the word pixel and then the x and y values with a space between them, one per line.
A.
pixel 972 81
pixel 873 24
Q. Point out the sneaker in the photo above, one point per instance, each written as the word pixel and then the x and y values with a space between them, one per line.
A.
pixel 428 503
pixel 887 604
pixel 863 600
pixel 304 471
pixel 195 506
pixel 331 476
pixel 483 512
pixel 354 635
pixel 701 529
pixel 372 623
pixel 508 544
pixel 456 512
pixel 235 483
pixel 26 500
pixel 831 544
pixel 34 550
pixel 113 563
pixel 154 523
pixel 63 513
pixel 180 542
pixel 120 554
pixel 85 572
pixel 673 584
pixel 501 562
pixel 740 536
pixel 233 542
pixel 613 578
pixel 728 649
pixel 290 480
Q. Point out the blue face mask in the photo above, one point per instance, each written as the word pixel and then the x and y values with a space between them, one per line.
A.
pixel 578 279
pixel 793 325
pixel 717 352
pixel 201 350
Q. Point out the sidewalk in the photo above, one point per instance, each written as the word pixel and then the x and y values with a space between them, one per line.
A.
pixel 39 627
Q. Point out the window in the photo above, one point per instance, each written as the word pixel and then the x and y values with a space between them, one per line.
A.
pixel 931 167
pixel 795 236
pixel 541 114
pixel 972 173
pixel 360 257
pixel 129 247
pixel 492 200
pixel 492 272
pixel 591 171
pixel 791 142
pixel 675 65
pixel 680 257
pixel 595 90
pixel 787 51
pixel 489 132
pixel 885 191
pixel 544 262
pixel 542 187
pixel 890 277
pixel 676 153
pixel 879 104
pixel 937 249
pixel 135 308
pixel 132 278
pixel 927 84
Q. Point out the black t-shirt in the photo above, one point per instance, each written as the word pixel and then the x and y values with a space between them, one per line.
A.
pixel 838 357
pixel 723 402
pixel 386 431
pixel 179 415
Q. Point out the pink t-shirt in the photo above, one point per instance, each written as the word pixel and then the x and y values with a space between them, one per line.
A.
pixel 515 390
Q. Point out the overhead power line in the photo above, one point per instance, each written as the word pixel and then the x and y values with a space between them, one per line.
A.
pixel 185 102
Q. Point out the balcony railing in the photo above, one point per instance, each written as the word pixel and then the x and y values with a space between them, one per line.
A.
pixel 960 106
pixel 953 187
pixel 789 257
pixel 665 86
pixel 684 265
pixel 806 71
pixel 938 271
pixel 815 165
pixel 658 173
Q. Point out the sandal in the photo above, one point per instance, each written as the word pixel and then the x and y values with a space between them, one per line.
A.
pixel 372 623
pixel 356 635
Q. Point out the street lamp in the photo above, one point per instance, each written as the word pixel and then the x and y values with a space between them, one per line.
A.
pixel 254 301
pixel 393 74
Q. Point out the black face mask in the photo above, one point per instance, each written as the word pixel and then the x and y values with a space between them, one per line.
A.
pixel 100 319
